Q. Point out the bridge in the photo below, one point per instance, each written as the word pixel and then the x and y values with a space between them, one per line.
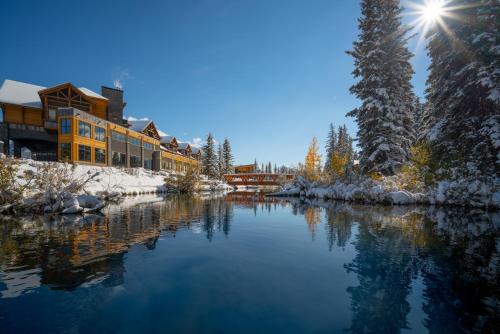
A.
pixel 257 179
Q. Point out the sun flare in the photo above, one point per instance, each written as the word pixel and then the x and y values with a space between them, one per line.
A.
pixel 432 11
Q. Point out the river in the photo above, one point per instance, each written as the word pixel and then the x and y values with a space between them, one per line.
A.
pixel 242 263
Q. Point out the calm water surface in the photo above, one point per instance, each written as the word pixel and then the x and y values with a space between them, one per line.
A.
pixel 243 264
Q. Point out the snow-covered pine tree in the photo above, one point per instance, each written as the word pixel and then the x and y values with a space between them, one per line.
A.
pixel 220 162
pixel 227 156
pixel 209 159
pixel 382 63
pixel 330 147
pixel 463 88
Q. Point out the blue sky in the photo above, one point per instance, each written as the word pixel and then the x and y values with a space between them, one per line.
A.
pixel 267 74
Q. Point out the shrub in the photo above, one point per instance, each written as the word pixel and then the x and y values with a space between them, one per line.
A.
pixel 183 183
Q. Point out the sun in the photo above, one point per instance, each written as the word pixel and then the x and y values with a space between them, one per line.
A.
pixel 432 11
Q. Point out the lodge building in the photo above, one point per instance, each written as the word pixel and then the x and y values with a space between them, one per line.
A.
pixel 77 125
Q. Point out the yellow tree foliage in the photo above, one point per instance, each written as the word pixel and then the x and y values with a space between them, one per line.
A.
pixel 312 165
pixel 338 163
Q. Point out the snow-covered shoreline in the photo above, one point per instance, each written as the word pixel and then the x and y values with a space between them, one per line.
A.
pixel 467 193
pixel 82 188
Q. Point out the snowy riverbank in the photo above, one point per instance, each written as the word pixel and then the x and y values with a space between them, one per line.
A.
pixel 54 187
pixel 471 193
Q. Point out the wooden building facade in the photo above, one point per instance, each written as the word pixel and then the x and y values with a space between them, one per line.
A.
pixel 77 125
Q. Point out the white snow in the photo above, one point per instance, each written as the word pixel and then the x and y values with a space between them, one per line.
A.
pixel 20 93
pixel 472 193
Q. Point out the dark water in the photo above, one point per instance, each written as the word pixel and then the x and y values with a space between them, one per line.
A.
pixel 249 265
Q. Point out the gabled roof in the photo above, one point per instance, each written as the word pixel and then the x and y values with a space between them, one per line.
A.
pixel 20 93
pixel 184 146
pixel 168 140
pixel 91 93
pixel 139 125
pixel 25 94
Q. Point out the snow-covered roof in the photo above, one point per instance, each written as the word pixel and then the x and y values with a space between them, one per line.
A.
pixel 166 139
pixel 161 133
pixel 139 125
pixel 25 94
pixel 91 93
pixel 183 146
pixel 20 93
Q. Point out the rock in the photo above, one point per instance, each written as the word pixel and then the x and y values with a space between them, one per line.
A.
pixel 88 201
pixel 72 209
pixel 399 197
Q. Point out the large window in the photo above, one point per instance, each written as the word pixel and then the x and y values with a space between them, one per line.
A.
pixel 83 129
pixel 99 133
pixel 65 126
pixel 118 136
pixel 148 146
pixel 65 152
pixel 52 114
pixel 135 161
pixel 148 164
pixel 100 155
pixel 84 153
pixel 134 141
pixel 118 159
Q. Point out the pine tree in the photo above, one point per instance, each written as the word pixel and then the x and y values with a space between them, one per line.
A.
pixel 463 89
pixel 330 147
pixel 382 62
pixel 227 157
pixel 312 164
pixel 220 162
pixel 209 160
pixel 256 166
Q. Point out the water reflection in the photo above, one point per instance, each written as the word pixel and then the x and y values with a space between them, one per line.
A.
pixel 450 255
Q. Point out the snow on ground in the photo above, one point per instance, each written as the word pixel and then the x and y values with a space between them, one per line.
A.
pixel 123 181
pixel 472 193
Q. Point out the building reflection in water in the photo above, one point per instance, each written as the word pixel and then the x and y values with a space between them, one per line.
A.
pixel 67 251
pixel 454 253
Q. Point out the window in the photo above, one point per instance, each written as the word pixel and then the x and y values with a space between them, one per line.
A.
pixel 134 141
pixel 148 164
pixel 99 133
pixel 52 114
pixel 100 156
pixel 118 159
pixel 65 126
pixel 118 136
pixel 83 153
pixel 83 129
pixel 65 152
pixel 148 146
pixel 135 161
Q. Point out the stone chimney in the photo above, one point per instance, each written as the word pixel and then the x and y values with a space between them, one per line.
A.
pixel 115 105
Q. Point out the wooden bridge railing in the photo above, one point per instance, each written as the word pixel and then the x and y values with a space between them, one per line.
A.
pixel 257 179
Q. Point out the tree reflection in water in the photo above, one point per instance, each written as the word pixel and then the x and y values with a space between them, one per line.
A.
pixel 454 253
pixel 455 250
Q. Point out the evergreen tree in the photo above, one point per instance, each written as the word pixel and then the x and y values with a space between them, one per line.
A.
pixel 262 168
pixel 330 147
pixel 256 166
pixel 382 62
pixel 209 160
pixel 463 88
pixel 227 157
pixel 269 167
pixel 220 162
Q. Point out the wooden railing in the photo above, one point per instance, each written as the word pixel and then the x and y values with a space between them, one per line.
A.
pixel 257 179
